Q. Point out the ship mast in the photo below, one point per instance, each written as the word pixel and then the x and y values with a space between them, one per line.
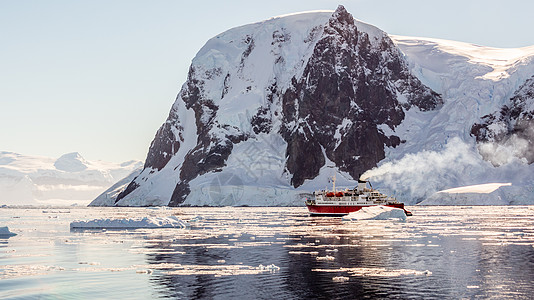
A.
pixel 334 183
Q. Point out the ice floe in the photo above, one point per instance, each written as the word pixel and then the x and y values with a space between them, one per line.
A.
pixel 340 279
pixel 304 252
pixel 21 270
pixel 375 272
pixel 146 222
pixel 378 212
pixel 327 257
pixel 222 270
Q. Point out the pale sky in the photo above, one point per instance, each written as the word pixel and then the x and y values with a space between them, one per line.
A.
pixel 99 76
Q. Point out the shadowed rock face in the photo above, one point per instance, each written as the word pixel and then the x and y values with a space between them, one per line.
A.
pixel 349 87
pixel 512 126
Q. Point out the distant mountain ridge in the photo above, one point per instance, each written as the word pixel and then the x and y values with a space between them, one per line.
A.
pixel 271 110
pixel 39 180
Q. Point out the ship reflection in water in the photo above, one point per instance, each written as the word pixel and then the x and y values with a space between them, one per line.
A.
pixel 271 253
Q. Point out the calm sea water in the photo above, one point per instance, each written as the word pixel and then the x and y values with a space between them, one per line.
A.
pixel 270 253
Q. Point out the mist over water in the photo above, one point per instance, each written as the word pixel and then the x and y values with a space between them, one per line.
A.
pixel 266 253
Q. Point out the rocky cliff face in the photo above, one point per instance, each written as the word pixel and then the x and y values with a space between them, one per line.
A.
pixel 352 83
pixel 323 82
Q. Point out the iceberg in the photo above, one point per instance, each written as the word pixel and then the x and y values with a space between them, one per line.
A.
pixel 146 222
pixel 377 212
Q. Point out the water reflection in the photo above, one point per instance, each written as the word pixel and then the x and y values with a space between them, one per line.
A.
pixel 265 253
pixel 332 258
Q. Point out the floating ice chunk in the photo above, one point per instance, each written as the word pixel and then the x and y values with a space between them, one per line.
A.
pixel 196 219
pixel 18 270
pixel 377 212
pixel 218 270
pixel 146 222
pixel 271 268
pixel 89 263
pixel 4 232
pixel 340 279
pixel 304 252
pixel 327 257
pixel 376 272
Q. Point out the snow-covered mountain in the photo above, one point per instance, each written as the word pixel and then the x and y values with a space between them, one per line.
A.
pixel 273 109
pixel 39 180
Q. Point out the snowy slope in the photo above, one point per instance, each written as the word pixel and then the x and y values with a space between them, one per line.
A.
pixel 40 180
pixel 441 151
pixel 271 110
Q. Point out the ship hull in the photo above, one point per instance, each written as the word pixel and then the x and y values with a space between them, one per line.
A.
pixel 341 210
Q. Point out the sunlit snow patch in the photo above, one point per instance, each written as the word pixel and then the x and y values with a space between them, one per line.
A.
pixel 4 232
pixel 146 222
pixel 377 212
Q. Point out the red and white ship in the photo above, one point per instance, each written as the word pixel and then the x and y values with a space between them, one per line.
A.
pixel 345 201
